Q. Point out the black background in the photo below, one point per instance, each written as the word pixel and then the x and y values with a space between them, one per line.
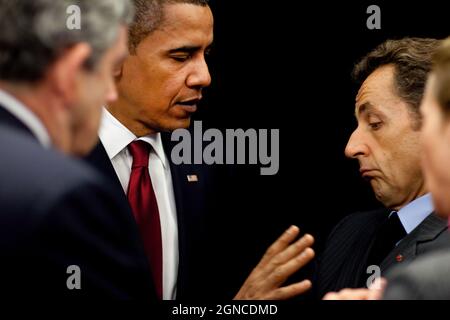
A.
pixel 286 65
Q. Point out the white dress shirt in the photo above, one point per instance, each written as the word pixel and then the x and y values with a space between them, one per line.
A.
pixel 115 137
pixel 26 116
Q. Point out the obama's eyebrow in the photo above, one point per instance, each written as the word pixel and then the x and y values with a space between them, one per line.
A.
pixel 188 49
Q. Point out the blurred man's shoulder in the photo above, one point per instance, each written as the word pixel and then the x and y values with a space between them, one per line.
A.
pixel 27 167
pixel 424 278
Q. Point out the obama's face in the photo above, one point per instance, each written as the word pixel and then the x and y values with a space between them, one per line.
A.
pixel 162 82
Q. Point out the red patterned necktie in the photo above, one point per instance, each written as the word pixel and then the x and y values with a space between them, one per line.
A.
pixel 145 209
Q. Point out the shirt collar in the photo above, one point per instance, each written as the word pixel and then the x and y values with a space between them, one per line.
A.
pixel 415 212
pixel 115 137
pixel 26 116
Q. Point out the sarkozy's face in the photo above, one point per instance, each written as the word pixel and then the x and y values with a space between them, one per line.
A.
pixel 386 141
pixel 161 82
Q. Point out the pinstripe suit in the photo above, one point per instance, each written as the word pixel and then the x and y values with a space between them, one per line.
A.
pixel 344 260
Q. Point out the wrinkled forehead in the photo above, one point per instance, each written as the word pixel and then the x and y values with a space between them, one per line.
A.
pixel 378 94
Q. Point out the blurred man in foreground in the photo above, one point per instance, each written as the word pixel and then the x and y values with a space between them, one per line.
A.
pixel 62 231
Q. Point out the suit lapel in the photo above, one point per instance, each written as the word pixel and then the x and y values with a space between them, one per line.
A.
pixel 190 200
pixel 99 159
pixel 406 250
pixel 176 172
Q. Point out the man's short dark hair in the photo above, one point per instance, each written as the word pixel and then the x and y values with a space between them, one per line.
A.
pixel 149 16
pixel 441 69
pixel 412 60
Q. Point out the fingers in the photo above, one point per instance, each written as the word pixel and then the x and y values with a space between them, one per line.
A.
pixel 281 260
pixel 376 290
pixel 331 296
pixel 276 269
pixel 293 265
pixel 287 262
pixel 290 291
pixel 279 274
pixel 378 284
pixel 295 249
pixel 280 244
pixel 349 294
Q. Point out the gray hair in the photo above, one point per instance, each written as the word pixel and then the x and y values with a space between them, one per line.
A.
pixel 34 33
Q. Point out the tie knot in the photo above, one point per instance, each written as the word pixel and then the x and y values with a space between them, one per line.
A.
pixel 395 225
pixel 140 151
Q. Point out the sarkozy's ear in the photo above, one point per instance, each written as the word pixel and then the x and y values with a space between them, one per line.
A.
pixel 68 69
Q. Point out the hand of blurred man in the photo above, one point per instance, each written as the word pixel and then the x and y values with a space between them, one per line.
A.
pixel 375 292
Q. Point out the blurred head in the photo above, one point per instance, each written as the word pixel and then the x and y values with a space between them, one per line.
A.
pixel 386 141
pixel 161 82
pixel 64 75
pixel 435 109
pixel 94 89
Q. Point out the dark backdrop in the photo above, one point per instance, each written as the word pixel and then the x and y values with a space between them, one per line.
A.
pixel 287 65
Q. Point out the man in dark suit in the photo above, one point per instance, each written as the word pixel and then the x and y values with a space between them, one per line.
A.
pixel 160 85
pixel 387 146
pixel 62 234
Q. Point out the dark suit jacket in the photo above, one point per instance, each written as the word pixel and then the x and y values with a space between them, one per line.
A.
pixel 200 206
pixel 56 212
pixel 426 278
pixel 344 260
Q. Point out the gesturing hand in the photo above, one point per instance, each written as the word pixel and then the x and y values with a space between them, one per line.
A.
pixel 282 259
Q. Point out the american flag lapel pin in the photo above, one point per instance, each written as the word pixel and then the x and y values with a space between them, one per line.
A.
pixel 192 178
